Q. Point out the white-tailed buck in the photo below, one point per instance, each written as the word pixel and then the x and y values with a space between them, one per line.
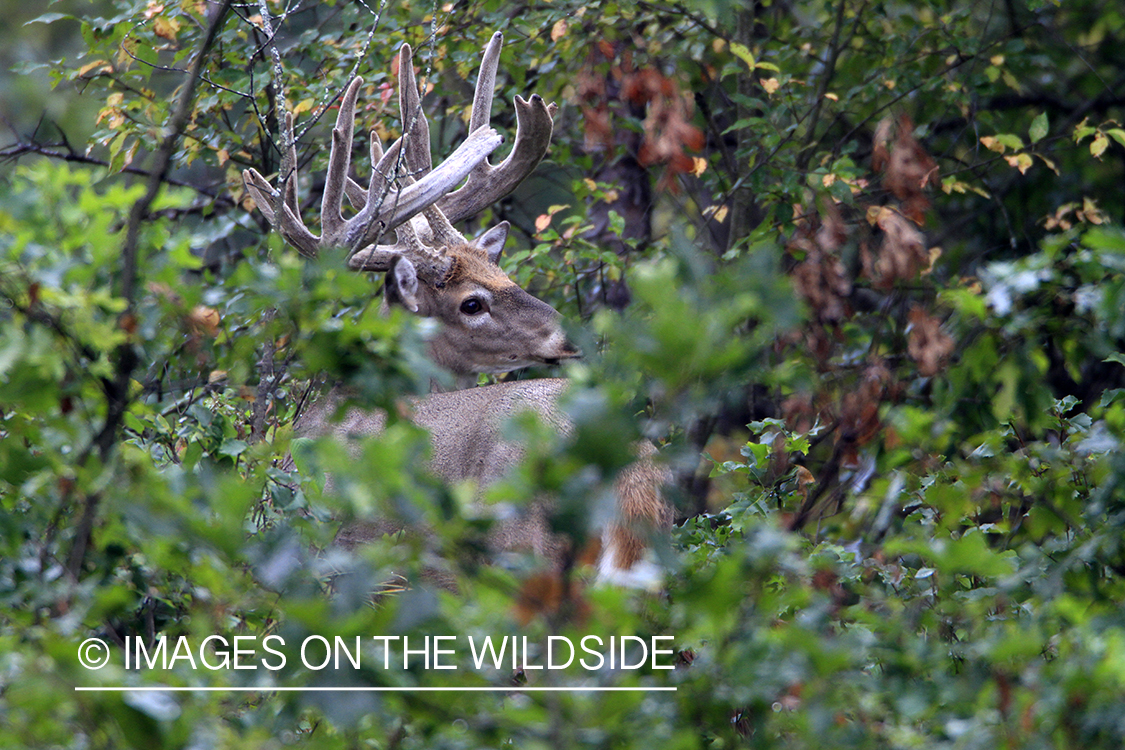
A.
pixel 487 323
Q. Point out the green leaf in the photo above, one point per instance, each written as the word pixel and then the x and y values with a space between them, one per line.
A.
pixel 1039 127
pixel 1082 130
pixel 49 18
pixel 233 448
pixel 1065 404
pixel 117 152
pixel 1111 396
pixel 1011 141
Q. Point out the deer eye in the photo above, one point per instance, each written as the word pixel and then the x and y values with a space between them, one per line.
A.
pixel 473 306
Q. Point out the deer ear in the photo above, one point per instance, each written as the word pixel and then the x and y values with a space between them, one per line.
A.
pixel 492 241
pixel 401 284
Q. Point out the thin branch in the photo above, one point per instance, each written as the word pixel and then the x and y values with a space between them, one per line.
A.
pixel 825 81
pixel 63 152
pixel 126 358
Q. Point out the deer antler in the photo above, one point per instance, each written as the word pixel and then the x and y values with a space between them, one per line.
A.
pixel 534 125
pixel 395 195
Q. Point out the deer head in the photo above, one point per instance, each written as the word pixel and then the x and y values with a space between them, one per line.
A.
pixel 488 323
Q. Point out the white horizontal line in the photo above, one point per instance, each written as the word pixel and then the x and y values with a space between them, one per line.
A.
pixel 210 689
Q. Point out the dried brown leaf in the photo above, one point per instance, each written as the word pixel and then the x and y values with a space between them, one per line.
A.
pixel 927 344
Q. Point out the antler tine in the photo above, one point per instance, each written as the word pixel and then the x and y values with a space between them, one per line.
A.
pixel 415 127
pixel 332 223
pixel 356 193
pixel 441 229
pixel 290 225
pixel 534 126
pixel 291 183
pixel 486 83
pixel 259 193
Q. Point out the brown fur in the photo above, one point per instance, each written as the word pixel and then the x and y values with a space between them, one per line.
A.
pixel 472 265
pixel 638 512
pixel 465 432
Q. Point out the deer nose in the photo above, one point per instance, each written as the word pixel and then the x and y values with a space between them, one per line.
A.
pixel 570 351
pixel 558 348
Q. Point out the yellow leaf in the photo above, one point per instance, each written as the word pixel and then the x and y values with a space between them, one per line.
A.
pixel 997 60
pixel 125 52
pixel 743 53
pixel 952 185
pixel 770 85
pixel 992 144
pixel 558 30
pixel 165 27
pixel 1050 164
pixel 195 7
pixel 935 253
pixel 720 213
pixel 1091 212
pixel 116 119
pixel 303 106
pixel 1099 144
pixel 224 156
pixel 832 96
pixel 699 166
pixel 132 152
pixel 876 213
pixel 1023 163
pixel 204 320
pixel 89 66
pixel 542 222
pixel 828 180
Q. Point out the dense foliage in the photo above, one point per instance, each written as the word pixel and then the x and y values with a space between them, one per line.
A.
pixel 857 267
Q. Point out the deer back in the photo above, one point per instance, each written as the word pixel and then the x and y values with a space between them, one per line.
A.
pixel 466 434
pixel 466 426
